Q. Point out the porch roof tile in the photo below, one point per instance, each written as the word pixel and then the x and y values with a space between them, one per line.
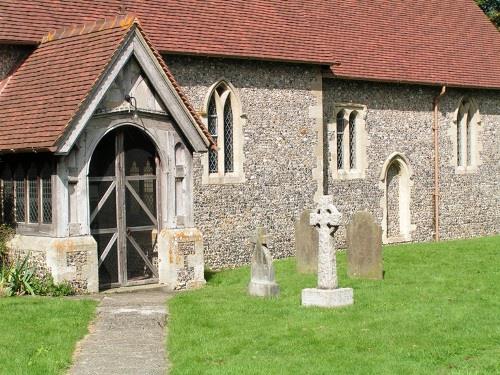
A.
pixel 41 98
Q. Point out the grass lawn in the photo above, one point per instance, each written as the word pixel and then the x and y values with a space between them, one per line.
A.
pixel 38 334
pixel 437 311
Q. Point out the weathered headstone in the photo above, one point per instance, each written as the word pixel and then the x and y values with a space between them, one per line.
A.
pixel 306 244
pixel 262 283
pixel 364 247
pixel 326 218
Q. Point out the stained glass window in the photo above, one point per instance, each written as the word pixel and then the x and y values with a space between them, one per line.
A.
pixel 228 137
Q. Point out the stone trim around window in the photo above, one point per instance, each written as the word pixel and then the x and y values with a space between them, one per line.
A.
pixel 354 160
pixel 465 134
pixel 224 91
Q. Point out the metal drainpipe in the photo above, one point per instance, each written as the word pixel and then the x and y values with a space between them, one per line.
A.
pixel 435 129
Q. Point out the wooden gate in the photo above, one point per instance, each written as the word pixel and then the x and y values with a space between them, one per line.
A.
pixel 123 199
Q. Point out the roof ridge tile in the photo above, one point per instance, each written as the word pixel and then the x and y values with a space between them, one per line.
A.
pixel 124 21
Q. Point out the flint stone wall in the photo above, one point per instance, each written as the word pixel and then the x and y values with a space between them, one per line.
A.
pixel 10 57
pixel 279 148
pixel 399 119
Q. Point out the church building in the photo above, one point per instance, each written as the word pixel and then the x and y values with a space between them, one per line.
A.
pixel 145 141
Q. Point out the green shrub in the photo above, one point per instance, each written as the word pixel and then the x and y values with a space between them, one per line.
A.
pixel 45 286
pixel 6 233
pixel 16 277
pixel 19 278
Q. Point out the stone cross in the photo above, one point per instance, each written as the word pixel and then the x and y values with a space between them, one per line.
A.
pixel 326 218
pixel 262 281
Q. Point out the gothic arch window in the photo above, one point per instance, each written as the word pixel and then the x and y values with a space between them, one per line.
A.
pixel 396 178
pixel 352 139
pixel 349 147
pixel 466 136
pixel 340 139
pixel 224 121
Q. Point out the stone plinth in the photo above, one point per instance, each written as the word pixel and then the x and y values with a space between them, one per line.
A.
pixel 72 259
pixel 180 258
pixel 327 297
pixel 263 289
pixel 306 244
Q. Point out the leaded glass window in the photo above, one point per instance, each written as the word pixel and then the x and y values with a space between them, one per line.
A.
pixel 33 195
pixel 7 196
pixel 459 140
pixel 468 140
pixel 340 140
pixel 352 140
pixel 46 187
pixel 212 128
pixel 20 194
pixel 228 137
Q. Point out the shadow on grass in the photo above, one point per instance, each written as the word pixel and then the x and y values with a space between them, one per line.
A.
pixel 209 274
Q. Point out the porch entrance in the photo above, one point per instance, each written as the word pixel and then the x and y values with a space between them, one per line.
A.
pixel 123 198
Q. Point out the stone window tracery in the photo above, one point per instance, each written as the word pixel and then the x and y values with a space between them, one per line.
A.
pixel 466 136
pixel 349 148
pixel 224 122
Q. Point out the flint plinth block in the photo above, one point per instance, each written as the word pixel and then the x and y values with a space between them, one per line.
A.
pixel 180 258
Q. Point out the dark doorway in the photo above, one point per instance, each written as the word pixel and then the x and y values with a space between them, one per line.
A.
pixel 123 197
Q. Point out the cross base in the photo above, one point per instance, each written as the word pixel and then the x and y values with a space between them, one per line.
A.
pixel 327 297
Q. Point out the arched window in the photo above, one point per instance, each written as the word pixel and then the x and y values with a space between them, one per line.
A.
pixel 224 122
pixel 228 136
pixel 212 128
pixel 340 139
pixel 467 122
pixel 352 139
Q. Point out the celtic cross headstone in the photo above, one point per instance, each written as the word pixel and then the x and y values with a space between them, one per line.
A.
pixel 326 219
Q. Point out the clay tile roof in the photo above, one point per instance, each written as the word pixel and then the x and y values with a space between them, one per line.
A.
pixel 417 41
pixel 38 102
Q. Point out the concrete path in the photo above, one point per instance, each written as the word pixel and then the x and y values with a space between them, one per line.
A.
pixel 127 336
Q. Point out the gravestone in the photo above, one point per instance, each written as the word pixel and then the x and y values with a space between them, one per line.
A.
pixel 306 244
pixel 364 247
pixel 262 283
pixel 326 219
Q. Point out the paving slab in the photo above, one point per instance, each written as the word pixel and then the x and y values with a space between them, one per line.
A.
pixel 126 337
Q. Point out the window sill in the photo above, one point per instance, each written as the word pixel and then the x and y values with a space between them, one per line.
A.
pixel 221 179
pixel 35 229
pixel 353 174
pixel 466 169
